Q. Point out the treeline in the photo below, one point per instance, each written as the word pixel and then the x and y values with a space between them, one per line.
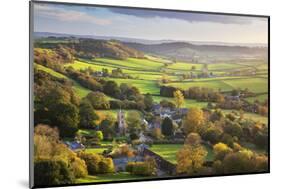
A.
pixel 202 94
pixel 256 107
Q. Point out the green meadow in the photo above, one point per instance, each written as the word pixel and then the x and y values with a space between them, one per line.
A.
pixel 169 151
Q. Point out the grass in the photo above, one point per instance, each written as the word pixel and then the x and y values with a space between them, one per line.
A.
pixel 133 63
pixel 256 85
pixel 86 132
pixel 252 116
pixel 260 98
pixel 145 86
pixel 120 176
pixel 95 150
pixel 224 66
pixel 215 84
pixel 188 103
pixel 169 151
pixel 80 90
pixel 49 71
pixel 183 66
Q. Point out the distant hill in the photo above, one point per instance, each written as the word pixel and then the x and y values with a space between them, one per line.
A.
pixel 116 47
pixel 88 48
pixel 145 41
pixel 191 52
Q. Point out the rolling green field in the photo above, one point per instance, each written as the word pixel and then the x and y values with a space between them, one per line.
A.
pixel 188 103
pixel 169 151
pixel 256 85
pixel 214 84
pixel 119 176
pixel 145 86
pixel 183 66
pixel 147 73
pixel 260 98
pixel 80 91
pixel 225 66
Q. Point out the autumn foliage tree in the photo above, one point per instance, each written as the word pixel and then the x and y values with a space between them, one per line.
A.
pixel 191 157
pixel 179 98
pixel 193 121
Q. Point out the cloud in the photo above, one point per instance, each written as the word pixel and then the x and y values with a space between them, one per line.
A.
pixel 68 15
pixel 186 16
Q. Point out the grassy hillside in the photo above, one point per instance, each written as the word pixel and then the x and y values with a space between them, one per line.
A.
pixel 80 90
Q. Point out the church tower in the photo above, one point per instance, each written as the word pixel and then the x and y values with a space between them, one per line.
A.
pixel 121 122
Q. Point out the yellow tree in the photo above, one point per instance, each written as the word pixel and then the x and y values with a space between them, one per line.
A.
pixel 191 157
pixel 179 98
pixel 193 120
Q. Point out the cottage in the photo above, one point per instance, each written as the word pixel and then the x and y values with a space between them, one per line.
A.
pixel 75 145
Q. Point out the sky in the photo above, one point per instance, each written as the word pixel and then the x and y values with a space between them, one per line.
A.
pixel 149 24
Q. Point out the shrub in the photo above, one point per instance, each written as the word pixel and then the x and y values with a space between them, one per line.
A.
pixel 97 164
pixel 52 172
pixel 123 151
pixel 92 162
pixel 79 167
pixel 146 168
pixel 106 165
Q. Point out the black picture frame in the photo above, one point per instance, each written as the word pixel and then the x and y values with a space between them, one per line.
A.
pixel 31 105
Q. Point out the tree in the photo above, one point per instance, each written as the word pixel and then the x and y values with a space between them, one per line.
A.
pixel 134 122
pixel 146 168
pixel 221 150
pixel 49 172
pixel 193 121
pixel 48 147
pixel 233 128
pixel 239 162
pixel 98 135
pixel 98 100
pixel 193 139
pixel 107 127
pixel 212 134
pixel 179 98
pixel 87 115
pixel 191 157
pixel 111 88
pixel 167 127
pixel 66 118
pixel 97 164
pixel 148 101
